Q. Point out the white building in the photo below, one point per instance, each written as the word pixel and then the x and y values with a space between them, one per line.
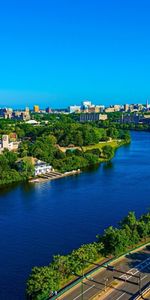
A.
pixel 74 108
pixel 6 144
pixel 32 122
pixel 86 105
pixel 41 167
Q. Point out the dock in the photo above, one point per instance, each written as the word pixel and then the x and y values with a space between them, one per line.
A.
pixel 53 175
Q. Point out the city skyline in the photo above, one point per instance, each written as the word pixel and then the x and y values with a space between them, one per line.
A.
pixel 61 52
pixel 46 105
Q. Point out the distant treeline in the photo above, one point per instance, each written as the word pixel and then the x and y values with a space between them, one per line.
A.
pixel 114 241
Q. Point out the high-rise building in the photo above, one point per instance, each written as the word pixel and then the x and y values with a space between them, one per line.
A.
pixel 48 110
pixel 86 104
pixel 74 108
pixel 126 107
pixel 92 117
pixel 36 108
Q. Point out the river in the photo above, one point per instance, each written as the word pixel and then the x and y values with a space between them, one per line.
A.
pixel 39 220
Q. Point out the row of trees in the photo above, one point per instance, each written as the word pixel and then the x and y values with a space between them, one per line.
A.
pixel 114 241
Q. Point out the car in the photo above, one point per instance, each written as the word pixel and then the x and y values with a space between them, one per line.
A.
pixel 110 268
pixel 91 278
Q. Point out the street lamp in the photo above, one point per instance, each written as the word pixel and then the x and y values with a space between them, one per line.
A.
pixel 82 281
pixel 82 277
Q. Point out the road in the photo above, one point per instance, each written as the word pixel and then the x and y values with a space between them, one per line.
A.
pixel 136 264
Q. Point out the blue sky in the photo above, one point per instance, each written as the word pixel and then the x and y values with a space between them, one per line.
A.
pixel 60 52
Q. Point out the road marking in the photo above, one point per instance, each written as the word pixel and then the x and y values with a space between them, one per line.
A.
pixel 84 292
pixel 120 296
pixel 144 277
pixel 134 271
pixel 124 293
pixel 131 272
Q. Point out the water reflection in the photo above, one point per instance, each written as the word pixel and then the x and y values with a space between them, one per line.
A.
pixel 28 187
pixel 108 165
pixel 9 188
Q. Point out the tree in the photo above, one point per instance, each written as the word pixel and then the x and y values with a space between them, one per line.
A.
pixel 11 158
pixel 23 148
pixel 27 166
pixel 108 151
pixel 78 139
pixel 91 158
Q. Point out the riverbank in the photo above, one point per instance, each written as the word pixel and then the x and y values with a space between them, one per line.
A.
pixel 80 159
pixel 115 144
pixel 53 175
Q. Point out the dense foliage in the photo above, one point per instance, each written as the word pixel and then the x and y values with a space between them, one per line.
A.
pixel 47 140
pixel 114 241
pixel 8 168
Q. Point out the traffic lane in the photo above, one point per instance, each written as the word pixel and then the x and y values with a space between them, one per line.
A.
pixel 96 285
pixel 98 280
pixel 132 280
pixel 128 289
pixel 92 286
pixel 123 265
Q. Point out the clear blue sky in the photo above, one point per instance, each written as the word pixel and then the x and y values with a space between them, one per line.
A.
pixel 60 52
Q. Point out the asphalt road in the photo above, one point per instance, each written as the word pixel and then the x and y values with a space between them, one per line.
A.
pixel 135 264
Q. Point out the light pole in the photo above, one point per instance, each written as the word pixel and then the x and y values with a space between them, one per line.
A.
pixel 82 277
pixel 82 281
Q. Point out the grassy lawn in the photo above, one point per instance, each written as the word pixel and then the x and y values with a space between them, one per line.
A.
pixel 114 144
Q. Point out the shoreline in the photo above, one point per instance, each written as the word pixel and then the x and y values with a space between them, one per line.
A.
pixel 45 179
pixel 48 177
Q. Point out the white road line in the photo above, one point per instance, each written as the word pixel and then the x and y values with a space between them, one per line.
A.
pixel 124 293
pixel 84 292
pixel 120 296
pixel 140 266
pixel 126 277
pixel 144 277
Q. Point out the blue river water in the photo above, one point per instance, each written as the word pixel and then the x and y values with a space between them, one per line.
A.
pixel 39 220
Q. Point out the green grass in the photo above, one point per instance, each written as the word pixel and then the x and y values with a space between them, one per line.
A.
pixel 114 144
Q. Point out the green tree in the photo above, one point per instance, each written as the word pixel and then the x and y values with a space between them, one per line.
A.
pixel 108 151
